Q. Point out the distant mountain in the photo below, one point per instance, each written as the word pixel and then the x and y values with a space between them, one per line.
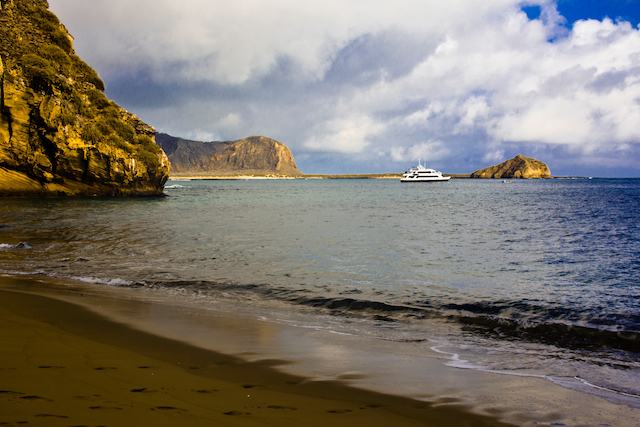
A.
pixel 59 134
pixel 518 167
pixel 255 155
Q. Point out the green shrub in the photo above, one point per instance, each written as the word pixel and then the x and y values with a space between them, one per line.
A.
pixel 63 85
pixel 115 141
pixel 104 128
pixel 90 133
pixel 67 118
pixel 39 72
pixel 85 111
pixel 121 128
pixel 74 100
pixel 146 157
pixel 58 58
pixel 85 73
pixel 98 99
pixel 49 24
pixel 111 111
pixel 147 144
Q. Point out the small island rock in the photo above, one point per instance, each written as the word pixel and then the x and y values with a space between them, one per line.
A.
pixel 518 167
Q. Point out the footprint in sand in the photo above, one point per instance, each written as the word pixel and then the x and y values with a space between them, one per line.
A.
pixel 142 390
pixel 51 367
pixel 339 411
pixel 250 386
pixel 104 368
pixel 36 398
pixel 50 416
pixel 10 392
pixel 169 408
pixel 290 408
pixel 236 413
pixel 105 407
pixel 206 391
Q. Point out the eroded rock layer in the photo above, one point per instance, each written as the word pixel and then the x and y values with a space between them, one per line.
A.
pixel 59 134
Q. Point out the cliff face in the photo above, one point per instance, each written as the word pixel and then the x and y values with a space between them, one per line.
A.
pixel 59 134
pixel 518 167
pixel 255 155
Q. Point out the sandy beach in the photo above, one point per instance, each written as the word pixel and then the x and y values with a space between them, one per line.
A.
pixel 62 364
pixel 67 358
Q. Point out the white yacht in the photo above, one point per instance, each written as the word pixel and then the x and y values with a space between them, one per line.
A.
pixel 421 174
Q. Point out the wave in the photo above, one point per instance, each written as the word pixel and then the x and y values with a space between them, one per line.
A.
pixel 84 279
pixel 510 320
pixel 528 321
pixel 571 336
pixel 21 245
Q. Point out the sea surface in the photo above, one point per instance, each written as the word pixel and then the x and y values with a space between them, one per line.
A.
pixel 531 277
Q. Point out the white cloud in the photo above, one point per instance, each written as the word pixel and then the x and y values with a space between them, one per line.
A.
pixel 356 77
pixel 230 121
pixel 496 156
pixel 552 121
pixel 425 152
pixel 348 135
pixel 230 42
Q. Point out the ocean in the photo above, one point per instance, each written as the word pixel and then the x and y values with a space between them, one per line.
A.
pixel 532 277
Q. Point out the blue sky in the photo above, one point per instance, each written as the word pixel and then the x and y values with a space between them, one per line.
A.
pixel 574 10
pixel 371 86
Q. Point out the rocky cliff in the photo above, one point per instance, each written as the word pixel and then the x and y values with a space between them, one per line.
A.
pixel 518 167
pixel 59 134
pixel 255 155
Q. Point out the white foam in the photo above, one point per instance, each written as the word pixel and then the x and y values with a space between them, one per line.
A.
pixel 21 245
pixel 621 393
pixel 102 281
pixel 575 383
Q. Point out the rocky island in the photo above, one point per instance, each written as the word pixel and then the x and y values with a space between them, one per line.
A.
pixel 518 167
pixel 59 133
pixel 252 156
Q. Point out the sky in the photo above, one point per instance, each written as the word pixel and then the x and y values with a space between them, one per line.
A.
pixel 372 86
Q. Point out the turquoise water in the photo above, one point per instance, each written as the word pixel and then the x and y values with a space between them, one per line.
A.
pixel 536 276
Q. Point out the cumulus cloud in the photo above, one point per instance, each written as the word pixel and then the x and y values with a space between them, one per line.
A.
pixel 344 135
pixel 431 150
pixel 232 42
pixel 584 92
pixel 462 82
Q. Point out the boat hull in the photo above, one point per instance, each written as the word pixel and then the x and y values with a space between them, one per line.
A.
pixel 443 179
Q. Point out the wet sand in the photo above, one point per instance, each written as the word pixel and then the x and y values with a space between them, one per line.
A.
pixel 64 365
pixel 83 355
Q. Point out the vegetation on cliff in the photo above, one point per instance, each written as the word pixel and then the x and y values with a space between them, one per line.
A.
pixel 255 155
pixel 59 133
pixel 518 167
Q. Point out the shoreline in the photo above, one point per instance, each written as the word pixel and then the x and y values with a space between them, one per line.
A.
pixel 347 176
pixel 66 365
pixel 246 177
pixel 87 350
